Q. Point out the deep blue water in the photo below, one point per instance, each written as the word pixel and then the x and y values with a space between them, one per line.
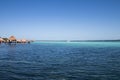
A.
pixel 60 61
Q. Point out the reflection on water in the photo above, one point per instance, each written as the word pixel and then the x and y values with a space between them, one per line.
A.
pixel 11 45
pixel 60 61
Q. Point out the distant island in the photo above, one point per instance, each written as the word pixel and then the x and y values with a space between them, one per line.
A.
pixel 78 40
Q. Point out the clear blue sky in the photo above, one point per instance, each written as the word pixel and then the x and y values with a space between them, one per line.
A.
pixel 60 19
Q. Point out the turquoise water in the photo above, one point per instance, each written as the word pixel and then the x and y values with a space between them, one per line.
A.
pixel 60 61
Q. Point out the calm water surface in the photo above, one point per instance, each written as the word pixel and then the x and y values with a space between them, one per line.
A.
pixel 60 61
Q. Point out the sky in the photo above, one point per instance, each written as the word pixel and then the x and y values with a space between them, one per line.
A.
pixel 60 19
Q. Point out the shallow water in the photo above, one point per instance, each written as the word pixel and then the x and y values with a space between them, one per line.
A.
pixel 60 61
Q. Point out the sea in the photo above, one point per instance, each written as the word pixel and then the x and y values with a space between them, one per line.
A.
pixel 60 61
